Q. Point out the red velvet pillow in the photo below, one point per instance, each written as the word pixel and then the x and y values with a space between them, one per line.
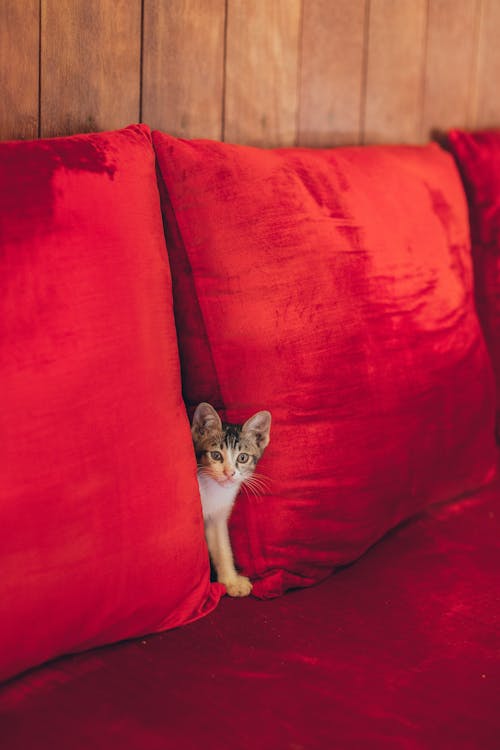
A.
pixel 333 288
pixel 478 156
pixel 101 535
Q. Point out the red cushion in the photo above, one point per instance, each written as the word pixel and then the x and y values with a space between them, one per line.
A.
pixel 398 652
pixel 333 288
pixel 101 535
pixel 478 156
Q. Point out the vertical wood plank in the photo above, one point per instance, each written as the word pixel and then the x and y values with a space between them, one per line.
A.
pixel 331 72
pixel 395 70
pixel 262 60
pixel 19 65
pixel 183 66
pixel 450 64
pixel 91 59
pixel 486 112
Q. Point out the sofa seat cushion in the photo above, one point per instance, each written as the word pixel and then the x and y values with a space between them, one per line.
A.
pixel 399 650
pixel 333 288
pixel 101 535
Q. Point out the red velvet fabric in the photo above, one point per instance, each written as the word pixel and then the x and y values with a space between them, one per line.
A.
pixel 333 288
pixel 478 156
pixel 101 535
pixel 399 651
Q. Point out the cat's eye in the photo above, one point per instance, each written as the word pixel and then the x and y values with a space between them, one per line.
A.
pixel 243 458
pixel 216 455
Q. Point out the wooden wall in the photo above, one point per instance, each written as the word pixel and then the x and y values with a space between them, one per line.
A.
pixel 264 72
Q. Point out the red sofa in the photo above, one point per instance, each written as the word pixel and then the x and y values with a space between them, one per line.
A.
pixel 334 288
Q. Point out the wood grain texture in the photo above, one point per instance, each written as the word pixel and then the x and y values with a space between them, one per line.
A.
pixel 261 97
pixel 395 71
pixel 91 60
pixel 183 67
pixel 331 79
pixel 19 67
pixel 269 72
pixel 486 112
pixel 450 64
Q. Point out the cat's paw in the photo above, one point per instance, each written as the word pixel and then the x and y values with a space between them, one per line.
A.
pixel 239 586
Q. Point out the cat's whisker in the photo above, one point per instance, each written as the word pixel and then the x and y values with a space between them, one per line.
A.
pixel 255 485
pixel 261 478
pixel 251 490
pixel 203 472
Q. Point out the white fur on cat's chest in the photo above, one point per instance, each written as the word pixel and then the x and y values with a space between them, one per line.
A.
pixel 215 499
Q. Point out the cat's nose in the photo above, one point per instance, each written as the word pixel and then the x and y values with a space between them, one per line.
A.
pixel 229 473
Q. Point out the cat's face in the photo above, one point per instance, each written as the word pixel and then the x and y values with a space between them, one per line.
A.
pixel 228 453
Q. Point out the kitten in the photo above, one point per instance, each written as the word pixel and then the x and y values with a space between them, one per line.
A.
pixel 226 455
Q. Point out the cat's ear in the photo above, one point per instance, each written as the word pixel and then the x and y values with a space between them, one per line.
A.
pixel 205 419
pixel 260 427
